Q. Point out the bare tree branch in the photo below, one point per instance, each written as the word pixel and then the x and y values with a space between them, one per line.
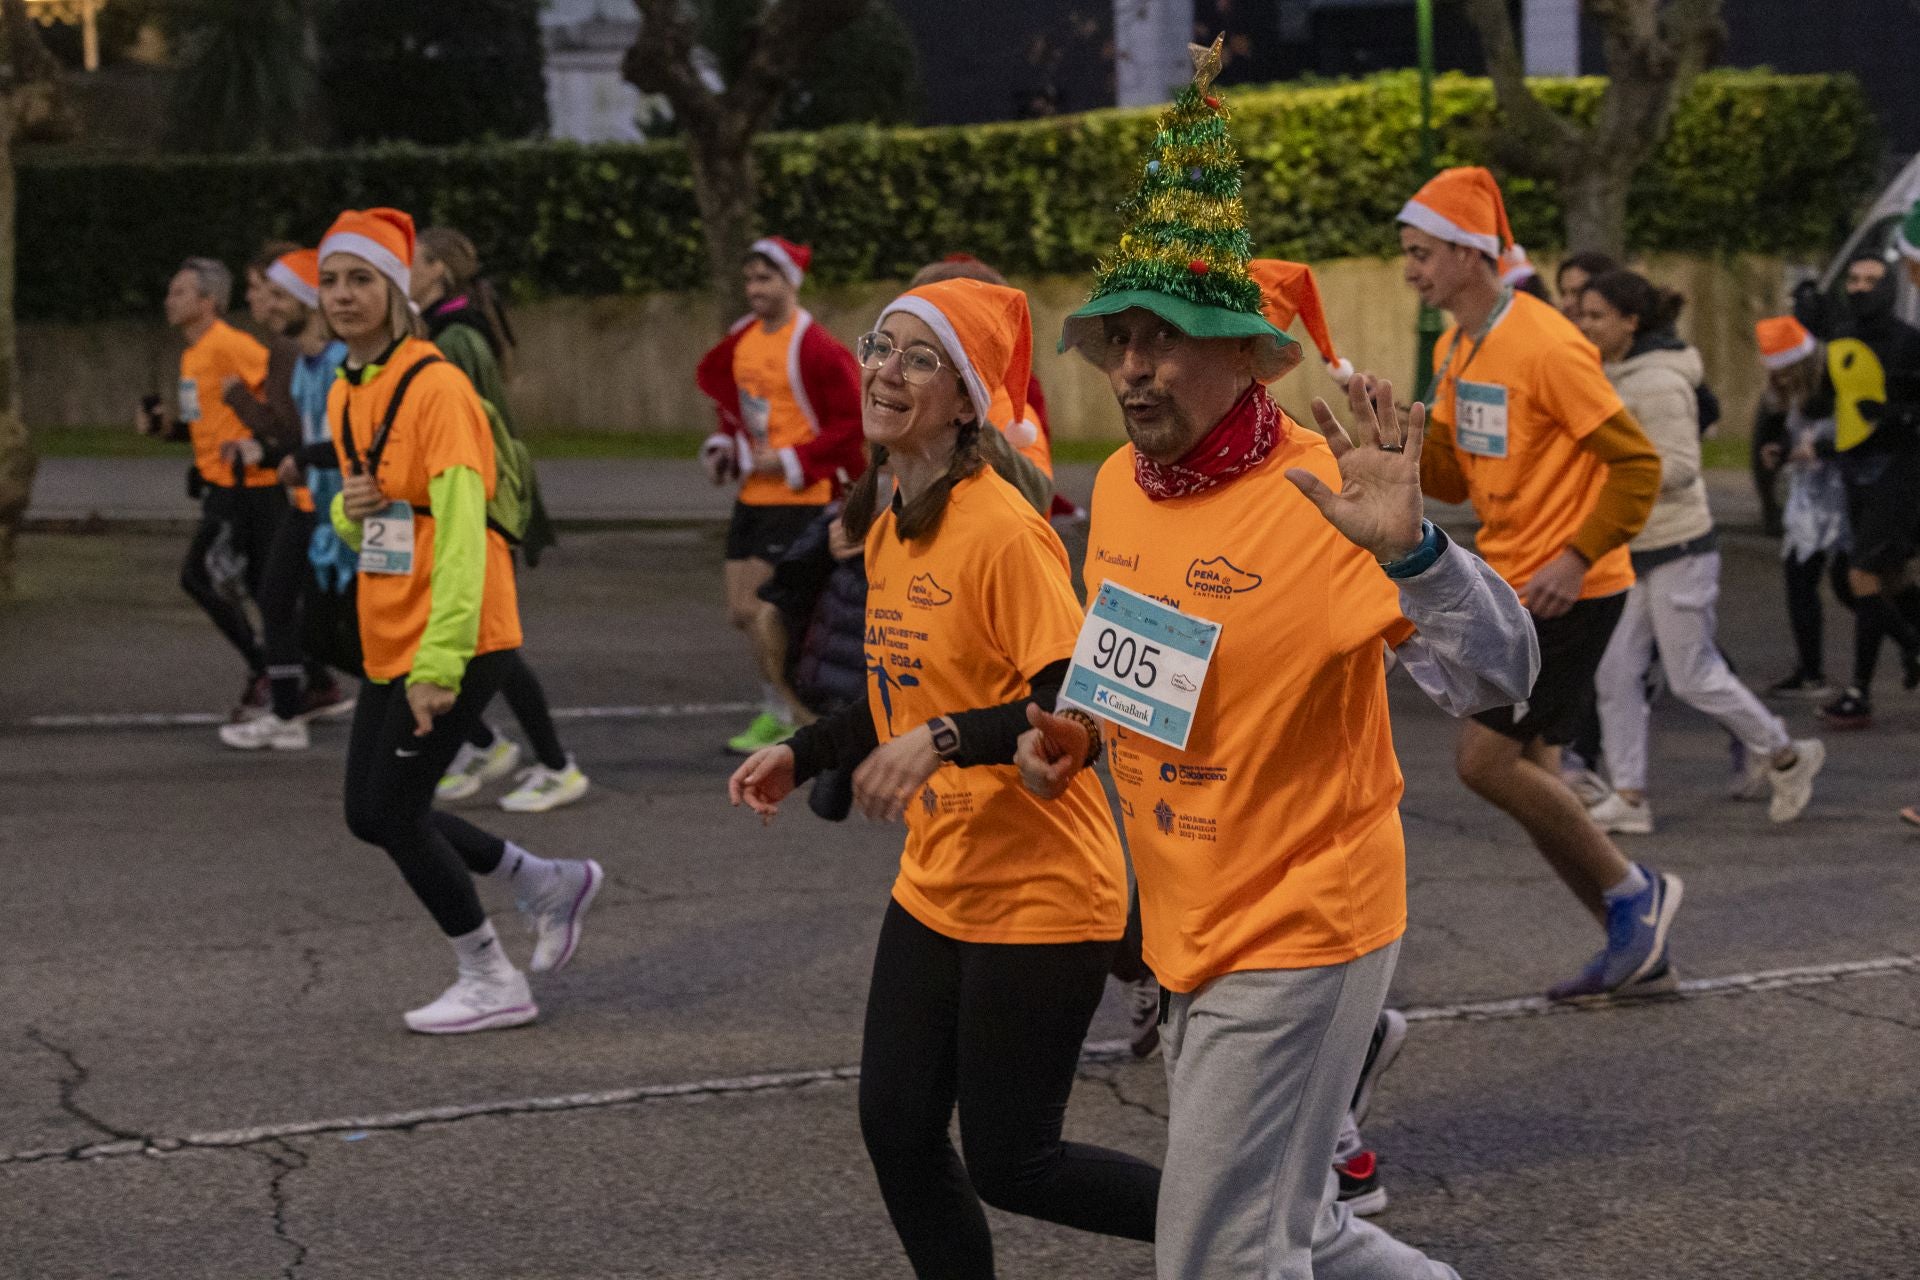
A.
pixel 1532 124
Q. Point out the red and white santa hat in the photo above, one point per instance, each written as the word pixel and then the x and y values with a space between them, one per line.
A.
pixel 987 331
pixel 383 237
pixel 791 259
pixel 1289 289
pixel 1462 206
pixel 1784 341
pixel 299 274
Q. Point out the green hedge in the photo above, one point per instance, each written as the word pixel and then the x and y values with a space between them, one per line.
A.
pixel 1755 161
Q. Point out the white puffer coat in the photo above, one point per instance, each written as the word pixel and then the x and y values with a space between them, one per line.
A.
pixel 1658 387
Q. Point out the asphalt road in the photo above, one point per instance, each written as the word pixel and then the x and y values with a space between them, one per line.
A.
pixel 203 1072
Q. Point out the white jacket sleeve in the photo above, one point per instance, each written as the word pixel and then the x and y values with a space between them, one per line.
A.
pixel 1475 646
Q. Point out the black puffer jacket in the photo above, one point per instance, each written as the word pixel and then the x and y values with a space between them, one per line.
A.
pixel 824 602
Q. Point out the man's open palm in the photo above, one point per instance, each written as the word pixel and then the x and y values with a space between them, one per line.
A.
pixel 1378 507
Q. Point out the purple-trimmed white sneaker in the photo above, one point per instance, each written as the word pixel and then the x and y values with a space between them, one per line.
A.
pixel 556 911
pixel 477 1002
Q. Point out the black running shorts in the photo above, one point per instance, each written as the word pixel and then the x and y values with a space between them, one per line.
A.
pixel 1883 502
pixel 1571 647
pixel 765 532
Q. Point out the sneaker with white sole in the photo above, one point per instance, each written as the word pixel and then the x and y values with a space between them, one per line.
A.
pixel 1587 786
pixel 473 767
pixel 477 1002
pixel 1634 961
pixel 541 788
pixel 266 732
pixel 1793 785
pixel 1751 783
pixel 556 912
pixel 1622 816
pixel 1360 1188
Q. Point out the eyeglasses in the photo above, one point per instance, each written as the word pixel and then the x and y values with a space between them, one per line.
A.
pixel 917 364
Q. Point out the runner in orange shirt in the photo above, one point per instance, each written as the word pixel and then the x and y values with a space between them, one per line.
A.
pixel 1004 917
pixel 1526 426
pixel 1242 573
pixel 439 623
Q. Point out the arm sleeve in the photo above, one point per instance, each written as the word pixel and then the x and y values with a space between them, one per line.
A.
pixel 322 456
pixel 838 741
pixel 1475 646
pixel 1440 475
pixel 990 735
pixel 833 388
pixel 459 499
pixel 348 529
pixel 253 413
pixel 1633 482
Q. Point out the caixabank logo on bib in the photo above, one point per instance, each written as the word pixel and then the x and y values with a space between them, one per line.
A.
pixel 1219 577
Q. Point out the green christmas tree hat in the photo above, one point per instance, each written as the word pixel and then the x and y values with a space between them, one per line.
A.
pixel 1185 251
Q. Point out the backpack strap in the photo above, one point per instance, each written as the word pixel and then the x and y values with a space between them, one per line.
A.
pixel 378 446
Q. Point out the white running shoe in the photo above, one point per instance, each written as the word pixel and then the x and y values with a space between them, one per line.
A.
pixel 542 788
pixel 555 914
pixel 1752 782
pixel 1621 816
pixel 473 767
pixel 1587 786
pixel 267 731
pixel 1793 785
pixel 476 1003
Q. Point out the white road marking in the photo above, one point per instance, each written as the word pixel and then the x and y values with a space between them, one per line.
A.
pixel 1096 1051
pixel 202 719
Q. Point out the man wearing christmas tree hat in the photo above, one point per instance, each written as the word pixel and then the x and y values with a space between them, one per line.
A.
pixel 1259 570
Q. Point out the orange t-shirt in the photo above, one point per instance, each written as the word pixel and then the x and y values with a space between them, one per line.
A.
pixel 222 352
pixel 1273 841
pixel 765 366
pixel 441 425
pixel 960 621
pixel 1532 392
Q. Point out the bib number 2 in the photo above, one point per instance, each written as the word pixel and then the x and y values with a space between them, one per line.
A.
pixel 386 541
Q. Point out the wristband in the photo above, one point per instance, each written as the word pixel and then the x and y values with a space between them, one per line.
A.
pixel 946 738
pixel 1433 541
pixel 1095 744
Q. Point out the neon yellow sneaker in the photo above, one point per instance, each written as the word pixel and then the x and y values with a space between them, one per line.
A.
pixel 767 730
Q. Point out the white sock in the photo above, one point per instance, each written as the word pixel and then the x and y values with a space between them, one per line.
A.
pixel 772 703
pixel 526 874
pixel 1633 886
pixel 480 954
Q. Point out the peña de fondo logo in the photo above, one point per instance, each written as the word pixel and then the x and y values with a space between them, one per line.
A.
pixel 1219 576
pixel 926 593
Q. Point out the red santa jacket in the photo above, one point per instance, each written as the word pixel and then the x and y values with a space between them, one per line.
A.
pixel 826 382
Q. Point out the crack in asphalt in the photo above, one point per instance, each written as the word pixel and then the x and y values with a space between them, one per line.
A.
pixel 311 957
pixel 1813 997
pixel 1110 1077
pixel 70 1086
pixel 288 1162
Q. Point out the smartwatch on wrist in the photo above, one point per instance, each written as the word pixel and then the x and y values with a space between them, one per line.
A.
pixel 946 738
pixel 1416 562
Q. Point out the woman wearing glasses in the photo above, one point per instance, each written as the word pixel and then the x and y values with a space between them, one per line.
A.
pixel 1004 917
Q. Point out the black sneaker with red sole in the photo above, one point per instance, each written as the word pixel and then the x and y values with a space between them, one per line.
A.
pixel 1360 1188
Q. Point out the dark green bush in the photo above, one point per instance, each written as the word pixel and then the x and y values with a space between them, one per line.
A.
pixel 1755 161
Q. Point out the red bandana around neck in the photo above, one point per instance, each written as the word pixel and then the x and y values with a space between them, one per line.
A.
pixel 1239 443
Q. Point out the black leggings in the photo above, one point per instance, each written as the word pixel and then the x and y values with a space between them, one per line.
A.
pixel 254 515
pixel 997 1028
pixel 307 627
pixel 1803 604
pixel 391 776
pixel 528 702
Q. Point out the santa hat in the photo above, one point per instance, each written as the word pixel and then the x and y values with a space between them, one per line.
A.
pixel 383 237
pixel 987 331
pixel 1289 289
pixel 299 274
pixel 1783 341
pixel 792 260
pixel 1908 237
pixel 1515 267
pixel 1462 206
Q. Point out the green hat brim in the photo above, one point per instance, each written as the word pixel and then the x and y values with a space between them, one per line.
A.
pixel 1196 320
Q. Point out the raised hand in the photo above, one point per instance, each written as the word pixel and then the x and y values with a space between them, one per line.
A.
pixel 1378 507
pixel 1050 753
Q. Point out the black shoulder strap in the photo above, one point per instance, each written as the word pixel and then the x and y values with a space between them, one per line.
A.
pixel 378 446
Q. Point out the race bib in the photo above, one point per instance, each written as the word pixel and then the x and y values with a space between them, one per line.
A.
pixel 1141 664
pixel 757 414
pixel 189 400
pixel 386 541
pixel 1480 423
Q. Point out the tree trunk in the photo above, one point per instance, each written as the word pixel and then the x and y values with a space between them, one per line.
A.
pixel 1593 205
pixel 17 461
pixel 724 184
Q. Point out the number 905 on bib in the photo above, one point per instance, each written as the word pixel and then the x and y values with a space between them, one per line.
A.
pixel 1142 664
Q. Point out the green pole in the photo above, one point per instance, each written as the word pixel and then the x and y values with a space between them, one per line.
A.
pixel 1428 328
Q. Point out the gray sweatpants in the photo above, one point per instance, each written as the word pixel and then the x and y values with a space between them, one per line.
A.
pixel 1260 1068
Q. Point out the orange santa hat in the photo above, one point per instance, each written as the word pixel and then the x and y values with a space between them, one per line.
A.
pixel 1462 206
pixel 383 237
pixel 987 331
pixel 1289 289
pixel 1784 341
pixel 299 274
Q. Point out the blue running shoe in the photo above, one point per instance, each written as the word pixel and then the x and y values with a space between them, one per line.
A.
pixel 1635 959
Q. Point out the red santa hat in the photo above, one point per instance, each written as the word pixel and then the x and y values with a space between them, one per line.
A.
pixel 1784 341
pixel 1289 289
pixel 987 332
pixel 299 274
pixel 791 260
pixel 382 237
pixel 1462 206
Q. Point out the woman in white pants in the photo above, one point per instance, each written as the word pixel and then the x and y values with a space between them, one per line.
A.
pixel 1677 573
